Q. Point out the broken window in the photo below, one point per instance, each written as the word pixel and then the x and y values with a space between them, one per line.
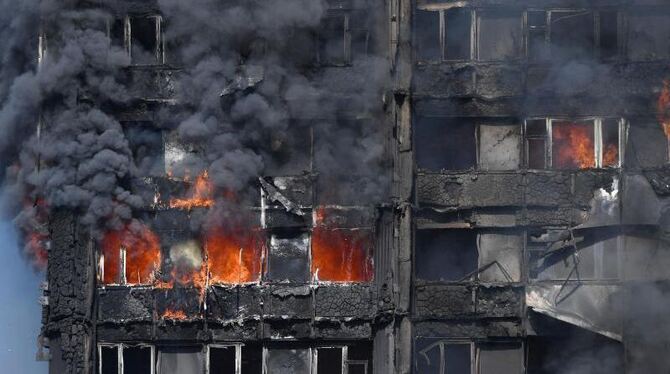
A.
pixel 592 255
pixel 180 360
pixel 223 359
pixel 445 255
pixel 445 144
pixel 334 38
pixel 129 256
pixel 572 34
pixel 290 151
pixel 288 257
pixel 499 35
pixel 234 255
pixel 288 361
pixel 252 359
pixel 499 147
pixel 647 144
pixel 125 359
pixel 444 34
pixel 649 30
pixel 573 144
pixel 442 356
pixel 341 255
pixel 329 360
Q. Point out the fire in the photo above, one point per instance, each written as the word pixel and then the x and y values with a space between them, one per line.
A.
pixel 142 251
pixel 610 155
pixel 573 145
pixel 340 255
pixel 179 315
pixel 663 108
pixel 201 194
pixel 36 247
pixel 234 255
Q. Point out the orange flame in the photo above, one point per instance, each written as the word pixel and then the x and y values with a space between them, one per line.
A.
pixel 234 255
pixel 179 315
pixel 611 155
pixel 341 255
pixel 663 108
pixel 36 248
pixel 201 194
pixel 143 254
pixel 573 145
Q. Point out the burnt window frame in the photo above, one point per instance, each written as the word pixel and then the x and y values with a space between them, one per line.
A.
pixel 597 41
pixel 128 37
pixel 120 347
pixel 475 349
pixel 346 41
pixel 597 121
pixel 442 31
pixel 471 277
pixel 265 265
pixel 476 34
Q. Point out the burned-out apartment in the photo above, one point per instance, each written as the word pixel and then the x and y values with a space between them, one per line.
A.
pixel 345 186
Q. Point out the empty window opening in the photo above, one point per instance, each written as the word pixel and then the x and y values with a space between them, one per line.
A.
pixel 427 35
pixel 334 40
pixel 287 361
pixel 289 257
pixel 499 35
pixel 129 256
pixel 180 360
pixel 234 256
pixel 448 144
pixel 125 359
pixel 223 360
pixel 330 360
pixel 445 255
pixel 252 359
pixel 648 30
pixel 458 32
pixel 341 255
pixel 537 35
pixel 573 144
pixel 145 40
pixel 440 356
pixel 571 34
pixel 608 34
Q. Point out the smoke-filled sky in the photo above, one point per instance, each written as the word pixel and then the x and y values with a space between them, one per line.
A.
pixel 19 310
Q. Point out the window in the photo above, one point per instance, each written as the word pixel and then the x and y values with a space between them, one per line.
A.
pixel 353 358
pixel 445 144
pixel 499 35
pixel 289 257
pixel 334 37
pixel 234 359
pixel 141 37
pixel 444 34
pixel 287 361
pixel 573 143
pixel 450 356
pixel 445 255
pixel 648 34
pixel 234 255
pixel 572 34
pixel 129 256
pixel 125 359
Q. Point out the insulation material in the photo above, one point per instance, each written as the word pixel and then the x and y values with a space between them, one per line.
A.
pixel 503 253
pixel 592 307
pixel 500 35
pixel 288 361
pixel 499 147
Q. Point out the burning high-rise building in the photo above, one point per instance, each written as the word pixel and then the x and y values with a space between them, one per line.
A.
pixel 343 186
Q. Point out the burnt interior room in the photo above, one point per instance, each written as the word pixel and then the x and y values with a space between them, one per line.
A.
pixel 343 186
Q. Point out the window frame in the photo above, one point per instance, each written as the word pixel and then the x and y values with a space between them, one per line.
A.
pixel 128 37
pixel 595 14
pixel 519 53
pixel 238 355
pixel 597 121
pixel 120 347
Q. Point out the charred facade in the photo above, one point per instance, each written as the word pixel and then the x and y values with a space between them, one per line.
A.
pixel 398 187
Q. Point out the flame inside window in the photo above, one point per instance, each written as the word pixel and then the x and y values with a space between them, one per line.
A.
pixel 234 256
pixel 341 255
pixel 573 145
pixel 142 255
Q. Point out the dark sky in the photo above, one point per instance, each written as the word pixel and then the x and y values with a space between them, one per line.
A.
pixel 19 308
